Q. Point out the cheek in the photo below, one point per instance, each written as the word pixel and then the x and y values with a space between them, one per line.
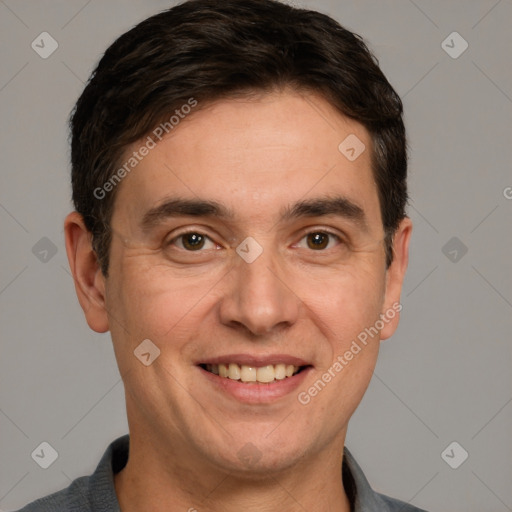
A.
pixel 347 312
pixel 151 302
pixel 348 302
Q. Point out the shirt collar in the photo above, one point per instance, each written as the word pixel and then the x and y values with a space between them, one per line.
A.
pixel 360 494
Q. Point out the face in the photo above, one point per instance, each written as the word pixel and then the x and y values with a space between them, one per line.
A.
pixel 247 238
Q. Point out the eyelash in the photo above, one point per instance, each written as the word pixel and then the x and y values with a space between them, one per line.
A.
pixel 197 232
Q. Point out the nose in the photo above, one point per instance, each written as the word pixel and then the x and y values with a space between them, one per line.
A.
pixel 259 297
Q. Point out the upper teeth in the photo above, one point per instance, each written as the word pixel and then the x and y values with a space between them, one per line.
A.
pixel 252 373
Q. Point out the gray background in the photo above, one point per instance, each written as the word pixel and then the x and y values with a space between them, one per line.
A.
pixel 445 376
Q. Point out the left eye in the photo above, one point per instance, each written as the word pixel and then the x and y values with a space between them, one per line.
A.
pixel 319 240
pixel 192 241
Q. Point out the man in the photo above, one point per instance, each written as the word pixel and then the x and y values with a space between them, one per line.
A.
pixel 239 178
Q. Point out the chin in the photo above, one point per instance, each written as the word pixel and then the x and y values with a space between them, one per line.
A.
pixel 259 458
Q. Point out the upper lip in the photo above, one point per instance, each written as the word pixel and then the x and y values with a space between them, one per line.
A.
pixel 254 360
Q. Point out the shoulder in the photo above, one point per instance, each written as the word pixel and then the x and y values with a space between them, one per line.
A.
pixel 394 505
pixel 94 493
pixel 361 494
pixel 71 499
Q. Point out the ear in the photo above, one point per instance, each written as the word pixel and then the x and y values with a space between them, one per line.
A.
pixel 85 268
pixel 394 278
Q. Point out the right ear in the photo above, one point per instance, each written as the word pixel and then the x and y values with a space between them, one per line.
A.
pixel 86 271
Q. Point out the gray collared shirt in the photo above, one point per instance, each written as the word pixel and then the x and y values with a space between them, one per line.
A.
pixel 96 493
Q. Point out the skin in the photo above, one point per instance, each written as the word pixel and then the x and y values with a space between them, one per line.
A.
pixel 255 156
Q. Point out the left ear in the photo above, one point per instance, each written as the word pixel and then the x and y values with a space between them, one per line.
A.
pixel 394 278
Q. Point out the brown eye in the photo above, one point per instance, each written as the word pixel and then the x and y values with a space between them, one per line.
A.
pixel 317 240
pixel 191 241
pixel 320 240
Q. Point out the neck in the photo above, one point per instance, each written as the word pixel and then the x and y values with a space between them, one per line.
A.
pixel 160 480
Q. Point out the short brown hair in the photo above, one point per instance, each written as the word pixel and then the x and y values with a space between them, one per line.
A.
pixel 210 50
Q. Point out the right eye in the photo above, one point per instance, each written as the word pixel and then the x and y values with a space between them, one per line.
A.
pixel 191 241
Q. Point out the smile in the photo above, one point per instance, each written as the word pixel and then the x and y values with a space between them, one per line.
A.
pixel 255 378
pixel 247 374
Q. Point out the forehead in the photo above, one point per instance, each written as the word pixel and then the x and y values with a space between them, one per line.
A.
pixel 256 154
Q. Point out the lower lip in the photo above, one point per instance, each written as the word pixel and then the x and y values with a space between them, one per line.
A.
pixel 255 392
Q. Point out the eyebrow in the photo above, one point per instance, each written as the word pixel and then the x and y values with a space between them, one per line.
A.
pixel 322 206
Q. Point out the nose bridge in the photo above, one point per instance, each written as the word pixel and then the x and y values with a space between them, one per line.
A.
pixel 258 295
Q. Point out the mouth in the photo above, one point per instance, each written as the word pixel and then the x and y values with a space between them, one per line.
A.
pixel 252 374
pixel 255 379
